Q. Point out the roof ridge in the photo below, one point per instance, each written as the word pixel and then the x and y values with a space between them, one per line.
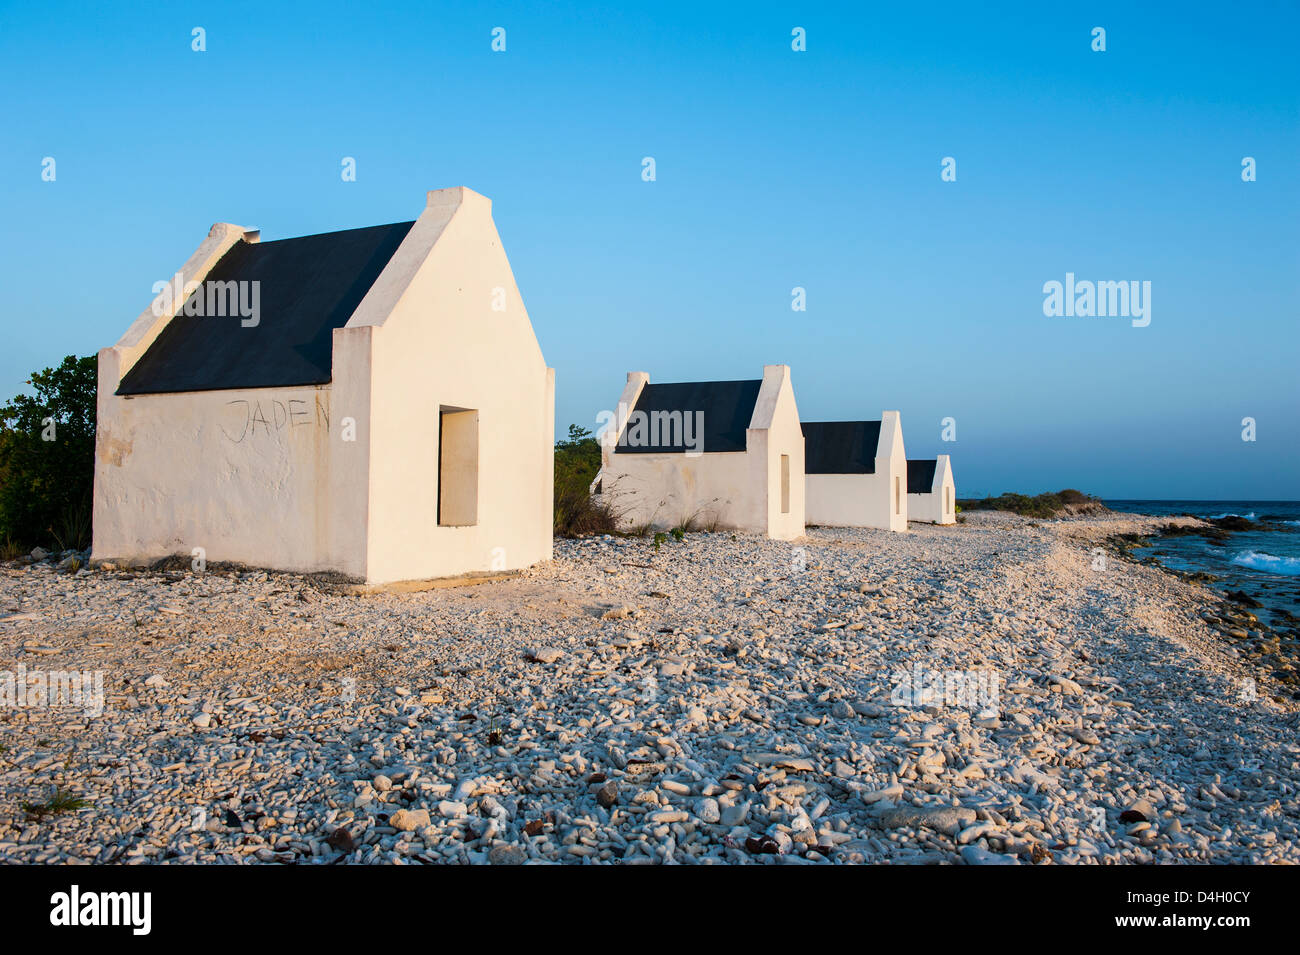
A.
pixel 319 235
pixel 706 381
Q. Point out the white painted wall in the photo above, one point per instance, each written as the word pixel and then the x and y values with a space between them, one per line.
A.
pixel 939 505
pixel 865 500
pixel 737 490
pixel 233 472
pixel 662 491
pixel 265 477
pixel 773 432
pixel 437 341
pixel 844 500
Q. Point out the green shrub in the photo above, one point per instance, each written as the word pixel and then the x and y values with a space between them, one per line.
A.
pixel 577 462
pixel 47 458
pixel 1040 505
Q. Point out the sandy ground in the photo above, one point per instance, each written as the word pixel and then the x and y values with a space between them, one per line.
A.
pixel 993 692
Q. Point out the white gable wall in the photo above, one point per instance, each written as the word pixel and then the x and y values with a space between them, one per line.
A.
pixel 773 432
pixel 441 345
pixel 894 464
pixel 865 500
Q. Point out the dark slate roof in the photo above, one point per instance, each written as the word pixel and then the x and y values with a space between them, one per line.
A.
pixel 727 408
pixel 920 476
pixel 840 447
pixel 309 286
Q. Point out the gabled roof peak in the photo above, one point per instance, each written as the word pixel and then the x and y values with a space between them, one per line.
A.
pixel 292 293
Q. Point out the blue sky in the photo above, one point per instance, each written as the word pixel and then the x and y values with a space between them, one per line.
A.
pixel 775 169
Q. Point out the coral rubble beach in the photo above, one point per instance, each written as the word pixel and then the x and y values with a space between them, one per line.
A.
pixel 715 699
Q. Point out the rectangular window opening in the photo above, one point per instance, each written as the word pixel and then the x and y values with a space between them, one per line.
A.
pixel 785 484
pixel 457 467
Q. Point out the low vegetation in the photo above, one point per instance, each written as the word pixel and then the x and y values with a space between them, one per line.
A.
pixel 577 462
pixel 1052 504
pixel 47 460
pixel 60 801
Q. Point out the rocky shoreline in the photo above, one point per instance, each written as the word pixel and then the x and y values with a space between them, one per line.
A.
pixel 717 699
pixel 1269 652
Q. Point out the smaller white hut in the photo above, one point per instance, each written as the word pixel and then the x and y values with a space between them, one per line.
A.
pixel 931 494
pixel 856 473
pixel 723 454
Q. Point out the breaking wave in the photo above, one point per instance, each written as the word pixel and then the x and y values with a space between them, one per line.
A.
pixel 1290 566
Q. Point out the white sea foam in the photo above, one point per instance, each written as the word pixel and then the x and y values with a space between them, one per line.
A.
pixel 1219 517
pixel 1290 566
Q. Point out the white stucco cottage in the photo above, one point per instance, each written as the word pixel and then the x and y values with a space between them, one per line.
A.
pixel 931 493
pixel 371 402
pixel 856 473
pixel 716 453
